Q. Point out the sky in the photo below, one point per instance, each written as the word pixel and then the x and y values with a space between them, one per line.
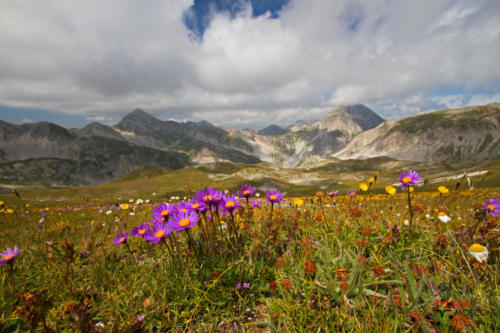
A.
pixel 243 63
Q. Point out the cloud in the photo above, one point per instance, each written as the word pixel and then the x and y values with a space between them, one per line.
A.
pixel 106 58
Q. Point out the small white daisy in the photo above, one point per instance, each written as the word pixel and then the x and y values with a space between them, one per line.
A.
pixel 479 252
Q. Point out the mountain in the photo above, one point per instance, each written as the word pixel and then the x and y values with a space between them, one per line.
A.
pixel 299 125
pixel 45 153
pixel 273 130
pixel 456 134
pixel 312 140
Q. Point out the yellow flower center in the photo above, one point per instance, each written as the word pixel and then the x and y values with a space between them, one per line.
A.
pixel 406 180
pixel 196 206
pixel 142 231
pixel 184 222
pixel 207 198
pixel 229 204
pixel 442 214
pixel 272 197
pixel 246 192
pixel 164 213
pixel 183 210
pixel 490 207
pixel 7 257
pixel 122 239
pixel 124 206
pixel 160 233
pixel 476 248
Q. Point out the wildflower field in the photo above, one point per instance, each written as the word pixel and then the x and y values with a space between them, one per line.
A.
pixel 409 259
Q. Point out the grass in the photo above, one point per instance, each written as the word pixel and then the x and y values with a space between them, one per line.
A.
pixel 323 264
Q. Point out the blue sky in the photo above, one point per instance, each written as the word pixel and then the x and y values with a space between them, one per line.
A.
pixel 243 63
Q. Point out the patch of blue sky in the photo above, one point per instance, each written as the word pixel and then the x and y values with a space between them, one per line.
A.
pixel 197 18
pixel 27 115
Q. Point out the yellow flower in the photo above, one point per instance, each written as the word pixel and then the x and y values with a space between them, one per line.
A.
pixel 390 190
pixel 124 206
pixel 372 180
pixel 363 187
pixel 1 203
pixel 319 194
pixel 298 202
pixel 10 211
pixel 411 189
pixel 443 189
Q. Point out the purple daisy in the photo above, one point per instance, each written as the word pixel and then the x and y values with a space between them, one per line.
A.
pixel 9 254
pixel 246 191
pixel 140 230
pixel 352 194
pixel 274 196
pixel 229 204
pixel 158 231
pixel 332 193
pixel 199 206
pixel 492 207
pixel 120 238
pixel 209 196
pixel 255 203
pixel 162 212
pixel 183 207
pixel 409 178
pixel 181 221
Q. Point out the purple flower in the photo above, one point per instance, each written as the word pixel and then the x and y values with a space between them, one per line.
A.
pixel 158 231
pixel 332 193
pixel 352 194
pixel 183 207
pixel 162 212
pixel 229 204
pixel 120 238
pixel 246 285
pixel 238 286
pixel 140 230
pixel 492 207
pixel 181 221
pixel 246 191
pixel 209 196
pixel 274 196
pixel 139 319
pixel 9 254
pixel 409 178
pixel 255 203
pixel 199 206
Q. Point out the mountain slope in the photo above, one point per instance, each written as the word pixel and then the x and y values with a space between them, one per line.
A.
pixel 322 138
pixel 201 138
pixel 454 134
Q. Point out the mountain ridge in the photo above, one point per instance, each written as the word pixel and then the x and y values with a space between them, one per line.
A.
pixel 347 132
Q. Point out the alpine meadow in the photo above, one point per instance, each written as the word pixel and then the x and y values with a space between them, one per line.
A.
pixel 249 166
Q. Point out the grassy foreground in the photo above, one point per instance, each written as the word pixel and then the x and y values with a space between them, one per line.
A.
pixel 320 264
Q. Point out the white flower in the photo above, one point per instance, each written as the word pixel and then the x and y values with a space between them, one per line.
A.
pixel 479 252
pixel 406 222
pixel 147 200
pixel 99 325
pixel 131 200
pixel 154 193
pixel 108 212
pixel 132 214
pixel 139 201
pixel 257 195
pixel 444 218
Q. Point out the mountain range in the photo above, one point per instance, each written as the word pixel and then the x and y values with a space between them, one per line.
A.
pixel 44 153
